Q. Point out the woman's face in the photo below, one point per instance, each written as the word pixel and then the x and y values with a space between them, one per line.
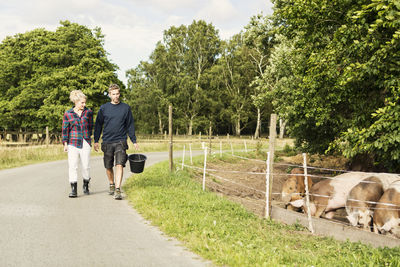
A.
pixel 80 104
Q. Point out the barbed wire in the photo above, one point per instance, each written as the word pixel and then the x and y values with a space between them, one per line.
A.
pixel 386 206
pixel 296 193
pixel 289 174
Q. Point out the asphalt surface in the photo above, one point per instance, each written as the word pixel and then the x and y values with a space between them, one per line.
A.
pixel 41 226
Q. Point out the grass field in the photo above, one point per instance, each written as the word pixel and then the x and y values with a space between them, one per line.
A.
pixel 228 235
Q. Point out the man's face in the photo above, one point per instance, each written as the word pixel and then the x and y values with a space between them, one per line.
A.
pixel 114 95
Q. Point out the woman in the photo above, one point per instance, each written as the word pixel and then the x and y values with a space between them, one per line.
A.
pixel 77 128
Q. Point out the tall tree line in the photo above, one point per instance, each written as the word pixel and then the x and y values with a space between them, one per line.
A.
pixel 330 69
pixel 39 68
pixel 208 81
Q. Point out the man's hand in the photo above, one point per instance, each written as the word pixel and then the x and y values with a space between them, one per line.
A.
pixel 65 147
pixel 136 146
pixel 96 147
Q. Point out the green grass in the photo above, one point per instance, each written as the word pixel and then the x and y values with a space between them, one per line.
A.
pixel 228 235
pixel 20 156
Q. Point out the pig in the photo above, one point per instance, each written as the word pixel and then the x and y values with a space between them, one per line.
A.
pixel 363 197
pixel 294 188
pixel 387 212
pixel 361 200
pixel 331 194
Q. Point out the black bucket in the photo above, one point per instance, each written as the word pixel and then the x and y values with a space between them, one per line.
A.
pixel 136 161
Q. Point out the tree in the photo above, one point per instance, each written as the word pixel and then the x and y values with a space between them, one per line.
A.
pixel 324 107
pixel 191 51
pixel 258 37
pixel 147 92
pixel 38 69
pixel 373 44
pixel 236 72
pixel 280 78
pixel 347 98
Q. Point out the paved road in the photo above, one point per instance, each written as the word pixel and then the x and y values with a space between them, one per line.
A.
pixel 41 226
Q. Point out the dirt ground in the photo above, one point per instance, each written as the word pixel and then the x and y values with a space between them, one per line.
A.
pixel 244 181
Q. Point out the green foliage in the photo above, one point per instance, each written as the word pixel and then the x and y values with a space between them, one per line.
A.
pixel 206 79
pixel 289 150
pixel 259 40
pixel 234 74
pixel 375 50
pixel 344 78
pixel 38 69
pixel 306 91
pixel 177 73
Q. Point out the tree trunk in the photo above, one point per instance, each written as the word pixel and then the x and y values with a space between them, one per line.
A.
pixel 20 136
pixel 237 127
pixel 257 133
pixel 190 130
pixel 282 125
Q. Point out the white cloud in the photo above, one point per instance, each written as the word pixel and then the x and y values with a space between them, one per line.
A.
pixel 170 5
pixel 131 27
pixel 218 11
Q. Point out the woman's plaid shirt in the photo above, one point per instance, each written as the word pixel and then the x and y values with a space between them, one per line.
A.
pixel 75 128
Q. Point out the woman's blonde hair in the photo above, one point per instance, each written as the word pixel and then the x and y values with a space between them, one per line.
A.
pixel 76 95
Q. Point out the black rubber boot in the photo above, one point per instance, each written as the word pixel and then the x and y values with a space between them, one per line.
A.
pixel 74 189
pixel 86 186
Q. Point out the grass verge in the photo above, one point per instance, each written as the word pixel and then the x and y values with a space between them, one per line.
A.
pixel 228 235
pixel 20 156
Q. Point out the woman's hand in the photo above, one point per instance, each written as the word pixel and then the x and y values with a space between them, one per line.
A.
pixel 65 147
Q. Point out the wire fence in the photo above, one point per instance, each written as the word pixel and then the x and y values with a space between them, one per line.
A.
pixel 222 178
pixel 27 137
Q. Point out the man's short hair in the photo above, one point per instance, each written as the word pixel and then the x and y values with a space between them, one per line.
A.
pixel 113 87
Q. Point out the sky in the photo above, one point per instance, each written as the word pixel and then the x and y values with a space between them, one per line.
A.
pixel 131 27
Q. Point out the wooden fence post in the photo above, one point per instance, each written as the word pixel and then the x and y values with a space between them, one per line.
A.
pixel 272 137
pixel 47 136
pixel 210 133
pixel 267 196
pixel 183 156
pixel 171 157
pixel 310 225
pixel 204 168
pixel 191 158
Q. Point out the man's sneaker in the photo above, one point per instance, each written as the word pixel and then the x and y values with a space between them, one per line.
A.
pixel 112 189
pixel 117 194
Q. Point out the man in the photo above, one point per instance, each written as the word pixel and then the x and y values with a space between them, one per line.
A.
pixel 116 121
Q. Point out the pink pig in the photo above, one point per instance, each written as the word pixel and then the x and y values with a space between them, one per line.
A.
pixel 331 194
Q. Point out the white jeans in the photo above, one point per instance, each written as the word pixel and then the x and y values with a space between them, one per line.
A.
pixel 74 154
